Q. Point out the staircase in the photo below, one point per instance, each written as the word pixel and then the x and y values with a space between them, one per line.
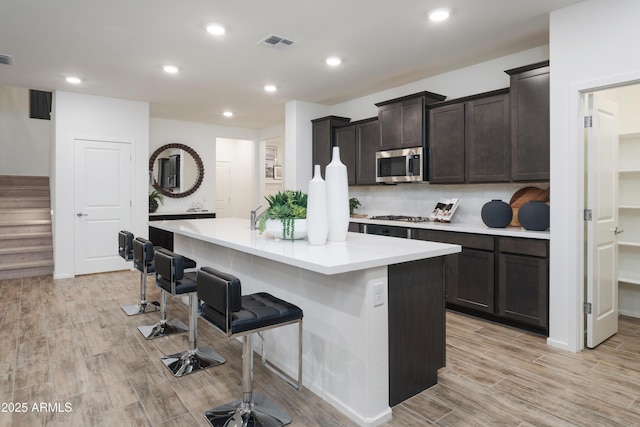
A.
pixel 26 242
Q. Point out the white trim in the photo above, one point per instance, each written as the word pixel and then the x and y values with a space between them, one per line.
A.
pixel 577 91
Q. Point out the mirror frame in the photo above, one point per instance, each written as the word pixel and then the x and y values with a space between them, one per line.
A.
pixel 199 166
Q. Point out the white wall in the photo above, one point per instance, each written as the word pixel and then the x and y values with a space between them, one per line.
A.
pixel 592 45
pixel 93 117
pixel 25 143
pixel 202 138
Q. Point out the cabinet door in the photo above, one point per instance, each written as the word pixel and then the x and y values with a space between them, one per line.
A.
pixel 346 141
pixel 413 123
pixel 523 289
pixel 487 142
pixel 469 279
pixel 367 137
pixel 446 144
pixel 530 125
pixel 323 140
pixel 402 124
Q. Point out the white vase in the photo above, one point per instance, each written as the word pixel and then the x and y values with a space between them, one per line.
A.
pixel 317 220
pixel 337 198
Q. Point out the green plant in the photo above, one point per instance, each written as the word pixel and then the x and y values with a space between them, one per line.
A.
pixel 154 198
pixel 353 205
pixel 285 206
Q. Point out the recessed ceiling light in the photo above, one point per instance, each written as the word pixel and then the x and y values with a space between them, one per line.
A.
pixel 171 69
pixel 438 15
pixel 228 114
pixel 333 61
pixel 216 29
pixel 73 80
pixel 270 88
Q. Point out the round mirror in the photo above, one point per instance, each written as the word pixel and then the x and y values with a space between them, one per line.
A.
pixel 176 170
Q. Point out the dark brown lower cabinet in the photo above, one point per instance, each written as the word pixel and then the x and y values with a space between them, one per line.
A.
pixel 523 281
pixel 500 278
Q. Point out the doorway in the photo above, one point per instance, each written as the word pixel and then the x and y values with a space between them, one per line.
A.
pixel 627 209
pixel 235 177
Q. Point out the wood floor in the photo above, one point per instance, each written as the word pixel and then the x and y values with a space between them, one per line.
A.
pixel 66 344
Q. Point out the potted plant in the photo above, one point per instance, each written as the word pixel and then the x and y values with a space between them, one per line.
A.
pixel 154 198
pixel 286 208
pixel 353 205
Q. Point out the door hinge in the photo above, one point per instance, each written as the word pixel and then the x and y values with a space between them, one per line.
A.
pixel 588 121
pixel 587 308
pixel 587 215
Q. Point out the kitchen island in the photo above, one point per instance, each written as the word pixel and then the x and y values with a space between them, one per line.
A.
pixel 373 329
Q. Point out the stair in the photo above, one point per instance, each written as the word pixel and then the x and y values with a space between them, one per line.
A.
pixel 26 240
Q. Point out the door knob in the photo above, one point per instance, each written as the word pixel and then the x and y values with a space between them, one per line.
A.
pixel 617 230
pixel 79 214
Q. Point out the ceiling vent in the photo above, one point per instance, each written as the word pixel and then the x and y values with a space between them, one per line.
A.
pixel 276 41
pixel 6 59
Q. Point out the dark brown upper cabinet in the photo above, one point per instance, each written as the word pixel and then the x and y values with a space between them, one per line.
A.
pixel 402 120
pixel 469 139
pixel 323 139
pixel 358 142
pixel 530 139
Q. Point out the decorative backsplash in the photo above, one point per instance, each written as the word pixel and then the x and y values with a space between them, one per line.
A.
pixel 419 199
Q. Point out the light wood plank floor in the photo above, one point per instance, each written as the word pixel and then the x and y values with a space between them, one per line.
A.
pixel 68 342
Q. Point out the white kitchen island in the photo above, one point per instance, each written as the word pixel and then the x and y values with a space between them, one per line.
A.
pixel 373 327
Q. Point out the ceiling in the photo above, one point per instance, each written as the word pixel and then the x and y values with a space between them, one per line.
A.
pixel 118 48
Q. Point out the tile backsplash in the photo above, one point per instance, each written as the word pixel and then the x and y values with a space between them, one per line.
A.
pixel 420 199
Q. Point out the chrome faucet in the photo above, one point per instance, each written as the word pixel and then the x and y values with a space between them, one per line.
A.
pixel 255 217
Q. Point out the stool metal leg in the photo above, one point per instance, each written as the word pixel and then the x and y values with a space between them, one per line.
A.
pixel 143 306
pixel 196 358
pixel 254 409
pixel 164 327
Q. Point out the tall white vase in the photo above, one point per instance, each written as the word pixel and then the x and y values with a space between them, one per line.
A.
pixel 317 220
pixel 337 198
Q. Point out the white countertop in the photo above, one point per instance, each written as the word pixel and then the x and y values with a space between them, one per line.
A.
pixel 358 252
pixel 460 227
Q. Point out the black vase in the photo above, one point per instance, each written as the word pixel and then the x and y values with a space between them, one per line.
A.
pixel 153 206
pixel 534 216
pixel 496 214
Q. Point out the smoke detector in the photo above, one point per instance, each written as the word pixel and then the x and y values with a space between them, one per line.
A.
pixel 6 59
pixel 277 42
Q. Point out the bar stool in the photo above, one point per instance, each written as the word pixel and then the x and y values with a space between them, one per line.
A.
pixel 235 315
pixel 167 327
pixel 171 278
pixel 125 245
pixel 143 262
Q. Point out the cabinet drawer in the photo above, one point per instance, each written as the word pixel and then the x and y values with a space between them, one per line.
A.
pixel 466 240
pixel 520 246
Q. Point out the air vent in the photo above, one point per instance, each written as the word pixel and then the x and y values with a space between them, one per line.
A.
pixel 276 41
pixel 6 59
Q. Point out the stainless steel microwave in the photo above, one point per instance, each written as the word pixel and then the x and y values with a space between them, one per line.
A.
pixel 404 165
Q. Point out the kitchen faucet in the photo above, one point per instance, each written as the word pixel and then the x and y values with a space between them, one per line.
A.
pixel 256 217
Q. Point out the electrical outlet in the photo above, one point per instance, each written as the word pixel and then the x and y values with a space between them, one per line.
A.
pixel 378 294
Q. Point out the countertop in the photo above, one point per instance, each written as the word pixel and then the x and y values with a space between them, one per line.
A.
pixel 358 252
pixel 460 227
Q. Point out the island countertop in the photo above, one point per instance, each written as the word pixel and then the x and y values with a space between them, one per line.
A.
pixel 358 252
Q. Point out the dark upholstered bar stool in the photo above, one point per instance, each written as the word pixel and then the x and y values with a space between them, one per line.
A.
pixel 168 327
pixel 125 245
pixel 235 315
pixel 171 278
pixel 143 262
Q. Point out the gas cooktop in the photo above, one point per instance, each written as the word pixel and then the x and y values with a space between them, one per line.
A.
pixel 401 218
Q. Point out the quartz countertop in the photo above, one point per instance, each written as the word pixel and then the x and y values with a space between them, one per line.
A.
pixel 460 227
pixel 358 252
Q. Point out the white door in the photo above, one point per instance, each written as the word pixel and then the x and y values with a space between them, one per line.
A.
pixel 102 204
pixel 223 189
pixel 602 200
